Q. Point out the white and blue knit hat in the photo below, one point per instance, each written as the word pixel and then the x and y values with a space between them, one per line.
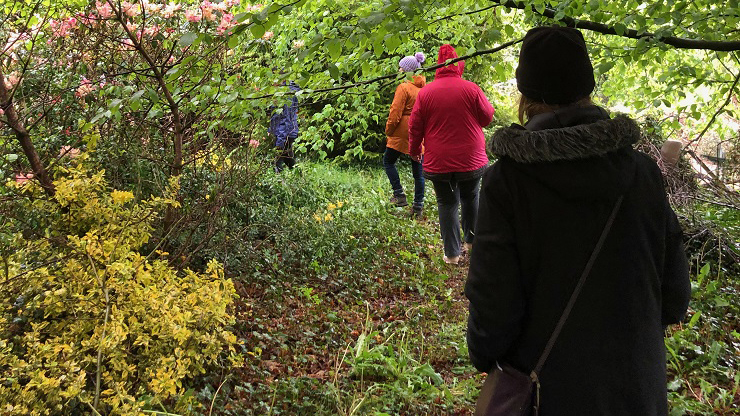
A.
pixel 411 63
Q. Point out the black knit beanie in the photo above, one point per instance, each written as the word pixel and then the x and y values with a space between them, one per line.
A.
pixel 554 66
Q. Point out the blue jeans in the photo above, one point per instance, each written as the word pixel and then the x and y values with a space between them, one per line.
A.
pixel 389 163
pixel 450 195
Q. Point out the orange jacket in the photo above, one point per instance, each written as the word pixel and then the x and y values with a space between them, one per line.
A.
pixel 397 126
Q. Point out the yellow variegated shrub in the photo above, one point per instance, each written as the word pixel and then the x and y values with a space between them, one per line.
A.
pixel 88 321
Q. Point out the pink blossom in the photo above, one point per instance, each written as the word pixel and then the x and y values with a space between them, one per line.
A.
pixel 207 11
pixel 61 28
pixel 85 88
pixel 104 10
pixel 2 111
pixel 152 8
pixel 130 9
pixel 192 15
pixel 227 22
pixel 22 177
pixel 151 31
pixel 219 6
pixel 254 143
pixel 70 151
pixel 11 81
pixel 87 20
pixel 170 10
pixel 15 40
pixel 128 43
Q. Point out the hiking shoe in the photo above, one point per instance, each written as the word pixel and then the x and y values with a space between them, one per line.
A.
pixel 399 200
pixel 451 260
pixel 416 213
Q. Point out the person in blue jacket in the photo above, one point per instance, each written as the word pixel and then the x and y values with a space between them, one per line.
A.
pixel 284 127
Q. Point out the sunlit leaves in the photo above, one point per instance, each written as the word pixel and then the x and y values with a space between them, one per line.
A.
pixel 188 39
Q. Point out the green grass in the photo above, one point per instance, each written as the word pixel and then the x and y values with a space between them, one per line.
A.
pixel 347 308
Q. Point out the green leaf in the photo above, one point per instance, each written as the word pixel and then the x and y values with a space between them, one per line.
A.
pixel 188 39
pixel 378 47
pixel 703 273
pixel 393 42
pixel 605 66
pixel 509 30
pixel 257 31
pixel 694 319
pixel 334 47
pixel 233 42
pixel 721 302
pixel 334 71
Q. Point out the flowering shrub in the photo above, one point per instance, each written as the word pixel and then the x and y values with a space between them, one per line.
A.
pixel 89 321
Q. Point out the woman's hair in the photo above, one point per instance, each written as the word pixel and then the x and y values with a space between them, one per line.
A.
pixel 530 108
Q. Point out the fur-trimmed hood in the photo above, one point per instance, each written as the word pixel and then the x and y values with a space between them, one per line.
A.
pixel 567 143
pixel 577 153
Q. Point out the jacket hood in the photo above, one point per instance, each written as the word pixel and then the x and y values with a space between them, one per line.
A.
pixel 418 80
pixel 587 160
pixel 446 52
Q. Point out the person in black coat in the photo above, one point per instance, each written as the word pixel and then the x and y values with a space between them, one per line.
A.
pixel 543 205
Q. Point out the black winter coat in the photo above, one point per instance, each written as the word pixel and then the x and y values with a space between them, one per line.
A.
pixel 543 205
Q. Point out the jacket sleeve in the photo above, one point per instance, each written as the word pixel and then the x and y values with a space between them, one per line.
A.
pixel 494 287
pixel 675 287
pixel 416 127
pixel 394 117
pixel 485 109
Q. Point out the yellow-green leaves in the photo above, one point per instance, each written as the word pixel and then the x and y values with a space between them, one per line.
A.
pixel 163 327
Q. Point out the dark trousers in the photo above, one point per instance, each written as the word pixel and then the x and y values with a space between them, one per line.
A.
pixel 450 195
pixel 286 157
pixel 389 163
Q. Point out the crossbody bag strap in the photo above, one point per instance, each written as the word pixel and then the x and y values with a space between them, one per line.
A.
pixel 576 291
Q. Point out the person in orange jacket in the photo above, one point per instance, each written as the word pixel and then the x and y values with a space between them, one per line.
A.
pixel 397 131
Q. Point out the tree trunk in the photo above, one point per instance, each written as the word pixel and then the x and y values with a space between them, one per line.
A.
pixel 39 172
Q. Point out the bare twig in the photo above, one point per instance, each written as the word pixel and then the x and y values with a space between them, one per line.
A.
pixel 102 336
pixel 210 410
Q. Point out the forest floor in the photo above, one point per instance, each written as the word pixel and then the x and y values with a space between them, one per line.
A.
pixel 350 308
pixel 347 308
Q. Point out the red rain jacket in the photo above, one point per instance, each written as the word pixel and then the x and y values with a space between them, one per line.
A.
pixel 448 117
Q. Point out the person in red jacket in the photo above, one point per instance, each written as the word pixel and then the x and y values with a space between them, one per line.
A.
pixel 448 117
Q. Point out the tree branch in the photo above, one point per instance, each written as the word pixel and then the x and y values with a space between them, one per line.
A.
pixel 24 138
pixel 462 14
pixel 397 75
pixel 719 110
pixel 681 43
